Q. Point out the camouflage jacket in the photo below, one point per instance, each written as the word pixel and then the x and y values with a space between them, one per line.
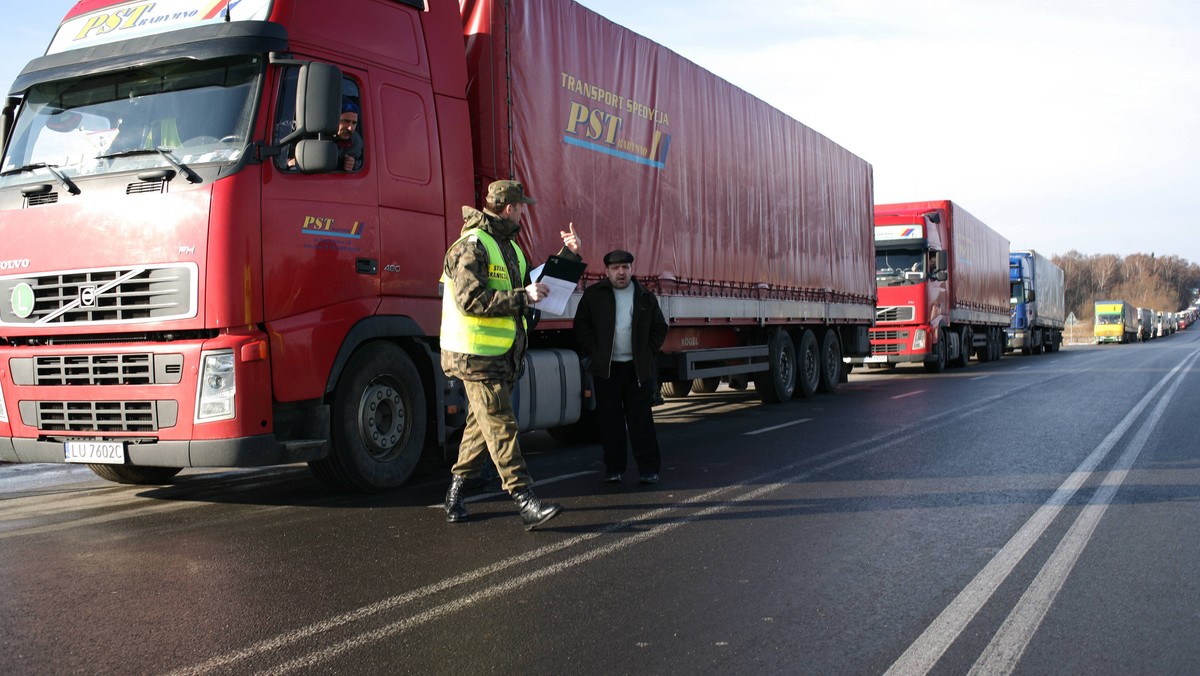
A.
pixel 466 265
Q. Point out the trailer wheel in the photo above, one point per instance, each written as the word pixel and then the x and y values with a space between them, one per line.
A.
pixel 997 343
pixel 706 385
pixel 832 366
pixel 938 363
pixel 676 389
pixel 128 474
pixel 778 382
pixel 378 422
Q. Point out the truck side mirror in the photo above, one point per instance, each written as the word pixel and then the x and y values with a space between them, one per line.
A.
pixel 1031 296
pixel 318 107
pixel 315 156
pixel 319 98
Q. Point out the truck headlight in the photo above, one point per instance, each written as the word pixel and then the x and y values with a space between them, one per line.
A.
pixel 919 339
pixel 3 410
pixel 218 385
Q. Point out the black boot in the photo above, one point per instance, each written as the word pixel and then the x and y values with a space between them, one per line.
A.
pixel 533 511
pixel 455 511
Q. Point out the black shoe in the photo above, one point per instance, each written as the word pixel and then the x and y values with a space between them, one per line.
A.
pixel 455 511
pixel 534 512
pixel 648 479
pixel 612 478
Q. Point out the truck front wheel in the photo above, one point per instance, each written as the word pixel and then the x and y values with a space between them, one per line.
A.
pixel 378 422
pixel 938 363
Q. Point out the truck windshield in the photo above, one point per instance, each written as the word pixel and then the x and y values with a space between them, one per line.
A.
pixel 1109 319
pixel 898 267
pixel 198 112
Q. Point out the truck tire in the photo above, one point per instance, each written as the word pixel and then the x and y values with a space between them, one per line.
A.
pixel 706 385
pixel 832 366
pixel 129 474
pixel 938 363
pixel 777 384
pixel 808 358
pixel 377 422
pixel 676 389
pixel 965 338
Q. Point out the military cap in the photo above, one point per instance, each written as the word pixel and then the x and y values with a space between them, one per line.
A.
pixel 508 192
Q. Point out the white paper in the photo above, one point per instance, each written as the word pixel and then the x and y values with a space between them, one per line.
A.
pixel 560 294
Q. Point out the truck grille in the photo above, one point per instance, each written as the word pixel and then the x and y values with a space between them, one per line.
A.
pixel 888 342
pixel 106 417
pixel 98 369
pixel 895 313
pixel 101 296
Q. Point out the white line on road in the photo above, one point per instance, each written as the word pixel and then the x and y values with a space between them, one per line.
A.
pixel 777 427
pixel 924 653
pixel 1009 643
pixel 907 394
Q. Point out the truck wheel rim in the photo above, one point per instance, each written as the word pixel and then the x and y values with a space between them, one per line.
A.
pixel 382 420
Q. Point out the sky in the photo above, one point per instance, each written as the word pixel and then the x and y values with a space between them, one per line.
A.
pixel 1064 125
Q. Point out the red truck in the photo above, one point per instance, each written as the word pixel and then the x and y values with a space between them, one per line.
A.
pixel 190 278
pixel 942 278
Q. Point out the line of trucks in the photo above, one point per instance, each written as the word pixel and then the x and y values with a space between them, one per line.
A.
pixel 189 279
pixel 1119 321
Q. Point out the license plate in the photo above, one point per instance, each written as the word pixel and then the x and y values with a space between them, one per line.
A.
pixel 95 452
pixel 876 359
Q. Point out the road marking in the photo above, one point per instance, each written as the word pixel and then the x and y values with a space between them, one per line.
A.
pixel 924 653
pixel 907 394
pixel 1008 645
pixel 986 375
pixel 777 427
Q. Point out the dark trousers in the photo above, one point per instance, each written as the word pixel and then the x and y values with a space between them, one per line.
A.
pixel 623 413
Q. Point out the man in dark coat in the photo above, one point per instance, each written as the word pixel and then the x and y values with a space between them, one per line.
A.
pixel 620 329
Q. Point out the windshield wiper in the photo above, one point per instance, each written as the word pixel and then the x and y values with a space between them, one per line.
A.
pixel 52 168
pixel 192 176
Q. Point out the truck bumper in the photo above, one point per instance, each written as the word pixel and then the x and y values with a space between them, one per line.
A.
pixel 880 359
pixel 1017 339
pixel 256 451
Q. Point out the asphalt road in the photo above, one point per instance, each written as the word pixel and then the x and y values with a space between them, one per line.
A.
pixel 1034 515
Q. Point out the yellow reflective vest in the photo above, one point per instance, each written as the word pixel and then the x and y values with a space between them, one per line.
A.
pixel 486 336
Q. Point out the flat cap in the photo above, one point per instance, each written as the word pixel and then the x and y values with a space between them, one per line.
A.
pixel 617 256
pixel 508 192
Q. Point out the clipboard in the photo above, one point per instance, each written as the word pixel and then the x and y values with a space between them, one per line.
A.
pixel 562 268
pixel 560 275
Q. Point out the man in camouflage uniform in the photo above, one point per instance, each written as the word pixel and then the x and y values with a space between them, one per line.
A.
pixel 487 298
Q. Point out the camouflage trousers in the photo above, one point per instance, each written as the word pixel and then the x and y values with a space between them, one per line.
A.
pixel 491 428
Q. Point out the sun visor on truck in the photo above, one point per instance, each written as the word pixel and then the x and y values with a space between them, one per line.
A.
pixel 202 42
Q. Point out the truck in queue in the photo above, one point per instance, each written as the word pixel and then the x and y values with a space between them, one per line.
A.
pixel 193 278
pixel 1115 321
pixel 942 282
pixel 1145 324
pixel 1038 300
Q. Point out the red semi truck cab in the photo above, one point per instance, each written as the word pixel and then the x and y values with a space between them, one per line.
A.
pixel 941 277
pixel 189 278
pixel 910 279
